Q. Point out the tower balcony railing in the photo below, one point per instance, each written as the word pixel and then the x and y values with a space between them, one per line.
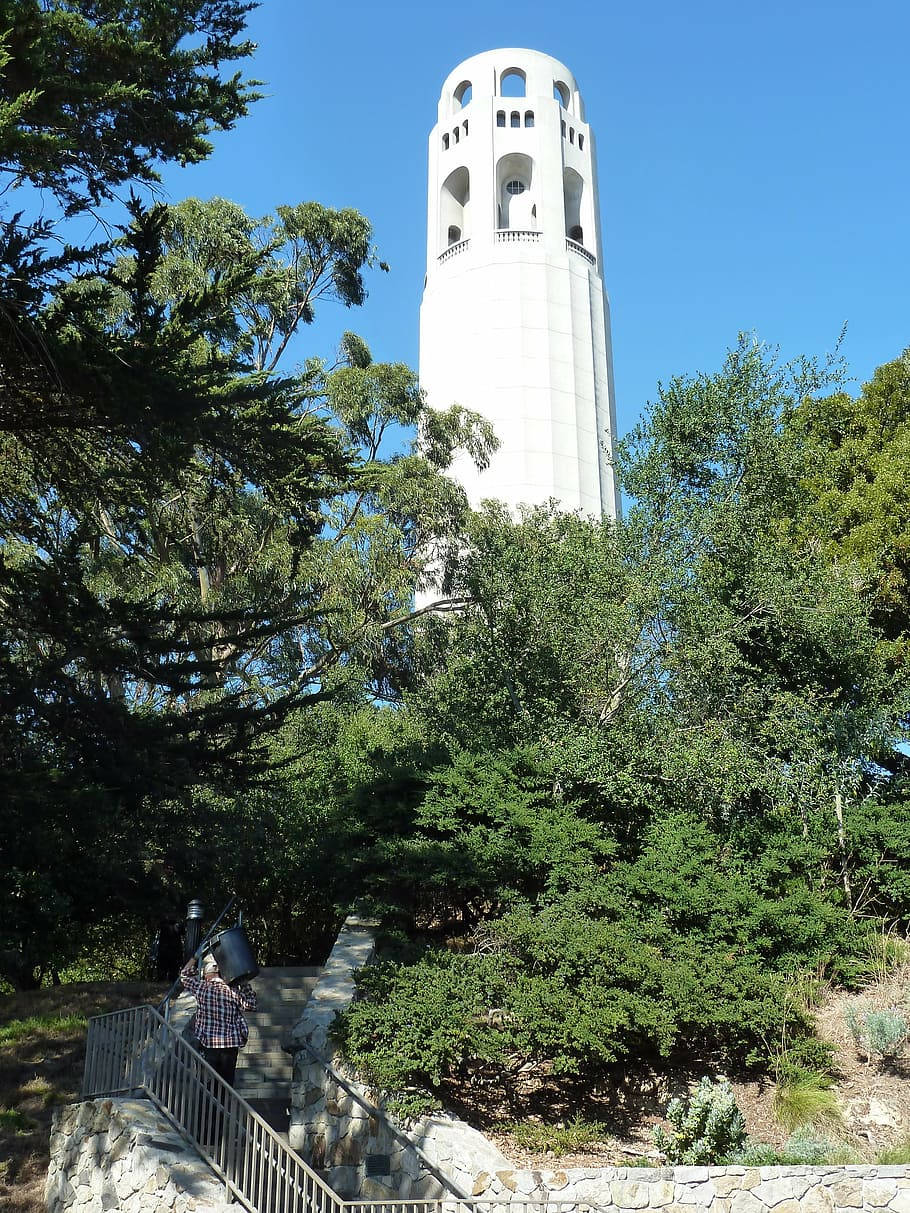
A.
pixel 574 247
pixel 517 235
pixel 453 250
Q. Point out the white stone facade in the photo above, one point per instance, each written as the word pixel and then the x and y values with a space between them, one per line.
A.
pixel 514 322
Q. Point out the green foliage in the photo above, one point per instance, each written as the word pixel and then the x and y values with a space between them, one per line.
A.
pixel 194 547
pixel 802 1149
pixel 92 96
pixel 804 1098
pixel 417 1025
pixel 14 1121
pixel 880 1034
pixel 17 1030
pixel 857 469
pixel 707 1128
pixel 577 1134
pixel 897 1155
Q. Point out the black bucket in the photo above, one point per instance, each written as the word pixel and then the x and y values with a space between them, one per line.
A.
pixel 234 956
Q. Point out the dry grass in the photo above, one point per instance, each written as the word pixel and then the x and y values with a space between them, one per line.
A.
pixel 42 1049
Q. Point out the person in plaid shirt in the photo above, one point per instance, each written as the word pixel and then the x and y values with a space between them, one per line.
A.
pixel 219 1025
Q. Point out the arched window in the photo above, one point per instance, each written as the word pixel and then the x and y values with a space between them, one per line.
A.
pixel 561 93
pixel 515 118
pixel 563 125
pixel 462 94
pixel 529 118
pixel 445 142
pixel 581 141
pixel 571 134
pixel 512 83
pixel 455 208
pixel 515 192
pixel 576 205
pixel 455 134
pixel 465 126
pixel 500 117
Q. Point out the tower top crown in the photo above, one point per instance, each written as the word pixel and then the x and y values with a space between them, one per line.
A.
pixel 492 73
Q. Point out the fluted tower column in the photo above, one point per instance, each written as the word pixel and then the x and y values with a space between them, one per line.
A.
pixel 514 321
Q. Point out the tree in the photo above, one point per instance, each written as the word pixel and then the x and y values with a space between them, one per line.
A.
pixel 93 95
pixel 648 792
pixel 857 472
pixel 192 546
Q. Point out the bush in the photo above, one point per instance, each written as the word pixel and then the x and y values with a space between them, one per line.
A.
pixel 804 1097
pixel 802 1149
pixel 708 1127
pixel 879 1034
pixel 561 1139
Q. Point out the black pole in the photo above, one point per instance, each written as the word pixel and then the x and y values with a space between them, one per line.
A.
pixel 194 912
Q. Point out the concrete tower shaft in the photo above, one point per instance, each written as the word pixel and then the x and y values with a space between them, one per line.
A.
pixel 514 320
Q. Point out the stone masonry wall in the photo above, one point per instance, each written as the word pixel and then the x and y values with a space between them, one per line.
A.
pixel 339 1125
pixel 841 1189
pixel 121 1154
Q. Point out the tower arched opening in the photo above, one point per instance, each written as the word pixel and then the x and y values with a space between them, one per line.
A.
pixel 512 83
pixel 561 93
pixel 516 204
pixel 462 95
pixel 575 198
pixel 455 208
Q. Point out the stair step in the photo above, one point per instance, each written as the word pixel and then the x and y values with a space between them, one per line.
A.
pixel 291 971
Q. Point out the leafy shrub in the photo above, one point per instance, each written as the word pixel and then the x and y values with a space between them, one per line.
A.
pixel 413 1025
pixel 802 1149
pixel 708 1127
pixel 804 1097
pixel 880 1034
pixel 561 1139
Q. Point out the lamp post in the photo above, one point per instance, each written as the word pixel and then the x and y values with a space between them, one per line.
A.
pixel 194 912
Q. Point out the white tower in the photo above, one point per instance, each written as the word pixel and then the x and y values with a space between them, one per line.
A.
pixel 514 322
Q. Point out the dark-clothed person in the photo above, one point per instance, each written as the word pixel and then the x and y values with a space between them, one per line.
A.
pixel 219 1025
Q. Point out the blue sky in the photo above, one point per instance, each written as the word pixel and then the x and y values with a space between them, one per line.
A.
pixel 753 162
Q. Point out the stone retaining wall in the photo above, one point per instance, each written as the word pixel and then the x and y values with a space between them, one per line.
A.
pixel 121 1154
pixel 339 1125
pixel 843 1189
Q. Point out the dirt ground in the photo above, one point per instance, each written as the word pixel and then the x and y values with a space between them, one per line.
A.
pixel 874 1099
pixel 42 1069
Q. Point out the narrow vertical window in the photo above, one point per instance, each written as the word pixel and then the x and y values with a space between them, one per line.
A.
pixel 455 134
pixel 581 141
pixel 529 118
pixel 563 125
pixel 445 142
pixel 515 118
pixel 465 125
pixel 501 118
pixel 571 134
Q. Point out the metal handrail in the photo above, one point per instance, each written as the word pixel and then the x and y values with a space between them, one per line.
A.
pixel 137 1051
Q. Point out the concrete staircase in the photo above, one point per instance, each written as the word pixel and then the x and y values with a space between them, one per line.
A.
pixel 264 1070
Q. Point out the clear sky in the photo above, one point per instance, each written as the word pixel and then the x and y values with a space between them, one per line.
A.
pixel 753 162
